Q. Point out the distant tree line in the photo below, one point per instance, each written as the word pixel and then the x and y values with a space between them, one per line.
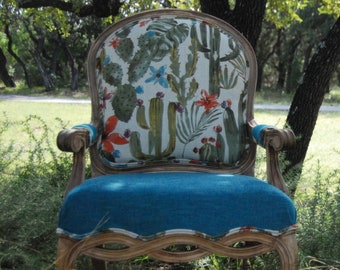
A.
pixel 45 43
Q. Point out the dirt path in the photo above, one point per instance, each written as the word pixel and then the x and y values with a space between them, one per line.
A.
pixel 87 101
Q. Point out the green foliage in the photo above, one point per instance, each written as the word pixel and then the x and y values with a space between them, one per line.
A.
pixel 192 4
pixel 32 181
pixel 331 7
pixel 319 221
pixel 33 177
pixel 283 13
pixel 52 19
pixel 64 37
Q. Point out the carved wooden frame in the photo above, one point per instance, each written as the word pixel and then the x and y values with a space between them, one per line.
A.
pixel 78 141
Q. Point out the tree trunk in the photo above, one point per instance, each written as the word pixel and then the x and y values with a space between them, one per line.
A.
pixel 281 67
pixel 4 76
pixel 281 78
pixel 72 63
pixel 308 98
pixel 246 17
pixel 291 75
pixel 308 53
pixel 39 46
pixel 48 83
pixel 16 57
pixel 271 43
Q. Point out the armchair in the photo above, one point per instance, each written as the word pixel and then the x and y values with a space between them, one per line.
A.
pixel 172 143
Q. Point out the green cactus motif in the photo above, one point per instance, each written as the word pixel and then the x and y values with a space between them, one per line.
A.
pixel 125 49
pixel 141 118
pixel 176 80
pixel 210 47
pixel 232 135
pixel 124 102
pixel 164 35
pixel 228 81
pixel 192 125
pixel 139 65
pixel 154 45
pixel 213 150
pixel 235 131
pixel 235 51
pixel 208 152
pixel 220 147
pixel 112 73
pixel 156 111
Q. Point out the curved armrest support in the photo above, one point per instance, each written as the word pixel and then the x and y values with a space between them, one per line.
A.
pixel 73 140
pixel 76 140
pixel 274 140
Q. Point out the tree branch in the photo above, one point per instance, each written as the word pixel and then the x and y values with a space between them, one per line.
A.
pixel 66 6
pixel 99 8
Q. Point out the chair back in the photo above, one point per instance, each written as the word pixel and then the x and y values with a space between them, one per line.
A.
pixel 172 90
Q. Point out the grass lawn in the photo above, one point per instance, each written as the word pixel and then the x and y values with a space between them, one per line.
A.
pixel 21 201
pixel 324 146
pixel 71 114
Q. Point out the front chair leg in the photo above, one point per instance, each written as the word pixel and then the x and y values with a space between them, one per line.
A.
pixel 64 248
pixel 288 252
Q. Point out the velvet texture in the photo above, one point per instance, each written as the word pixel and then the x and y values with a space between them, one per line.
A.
pixel 151 203
pixel 257 133
pixel 92 131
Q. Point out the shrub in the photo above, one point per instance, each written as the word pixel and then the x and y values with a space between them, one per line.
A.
pixel 32 181
pixel 319 221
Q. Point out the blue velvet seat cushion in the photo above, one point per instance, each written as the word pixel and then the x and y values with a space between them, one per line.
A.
pixel 151 203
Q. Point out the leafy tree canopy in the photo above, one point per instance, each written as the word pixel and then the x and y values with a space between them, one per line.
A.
pixel 283 13
pixel 46 12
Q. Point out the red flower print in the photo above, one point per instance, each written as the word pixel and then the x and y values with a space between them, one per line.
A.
pixel 211 139
pixel 204 140
pixel 115 42
pixel 208 101
pixel 217 128
pixel 109 137
pixel 143 23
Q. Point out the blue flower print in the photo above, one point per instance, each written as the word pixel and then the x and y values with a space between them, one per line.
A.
pixel 158 76
pixel 116 153
pixel 139 89
pixel 150 34
pixel 107 60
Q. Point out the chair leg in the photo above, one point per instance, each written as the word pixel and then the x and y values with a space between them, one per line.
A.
pixel 99 265
pixel 64 247
pixel 288 252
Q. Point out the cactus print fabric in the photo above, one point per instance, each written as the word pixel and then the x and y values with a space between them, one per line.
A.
pixel 172 90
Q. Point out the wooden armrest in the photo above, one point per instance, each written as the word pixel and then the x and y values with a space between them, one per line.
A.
pixel 273 140
pixel 76 141
pixel 279 139
pixel 276 140
pixel 73 140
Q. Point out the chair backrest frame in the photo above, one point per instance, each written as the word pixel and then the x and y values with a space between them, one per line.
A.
pixel 244 167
